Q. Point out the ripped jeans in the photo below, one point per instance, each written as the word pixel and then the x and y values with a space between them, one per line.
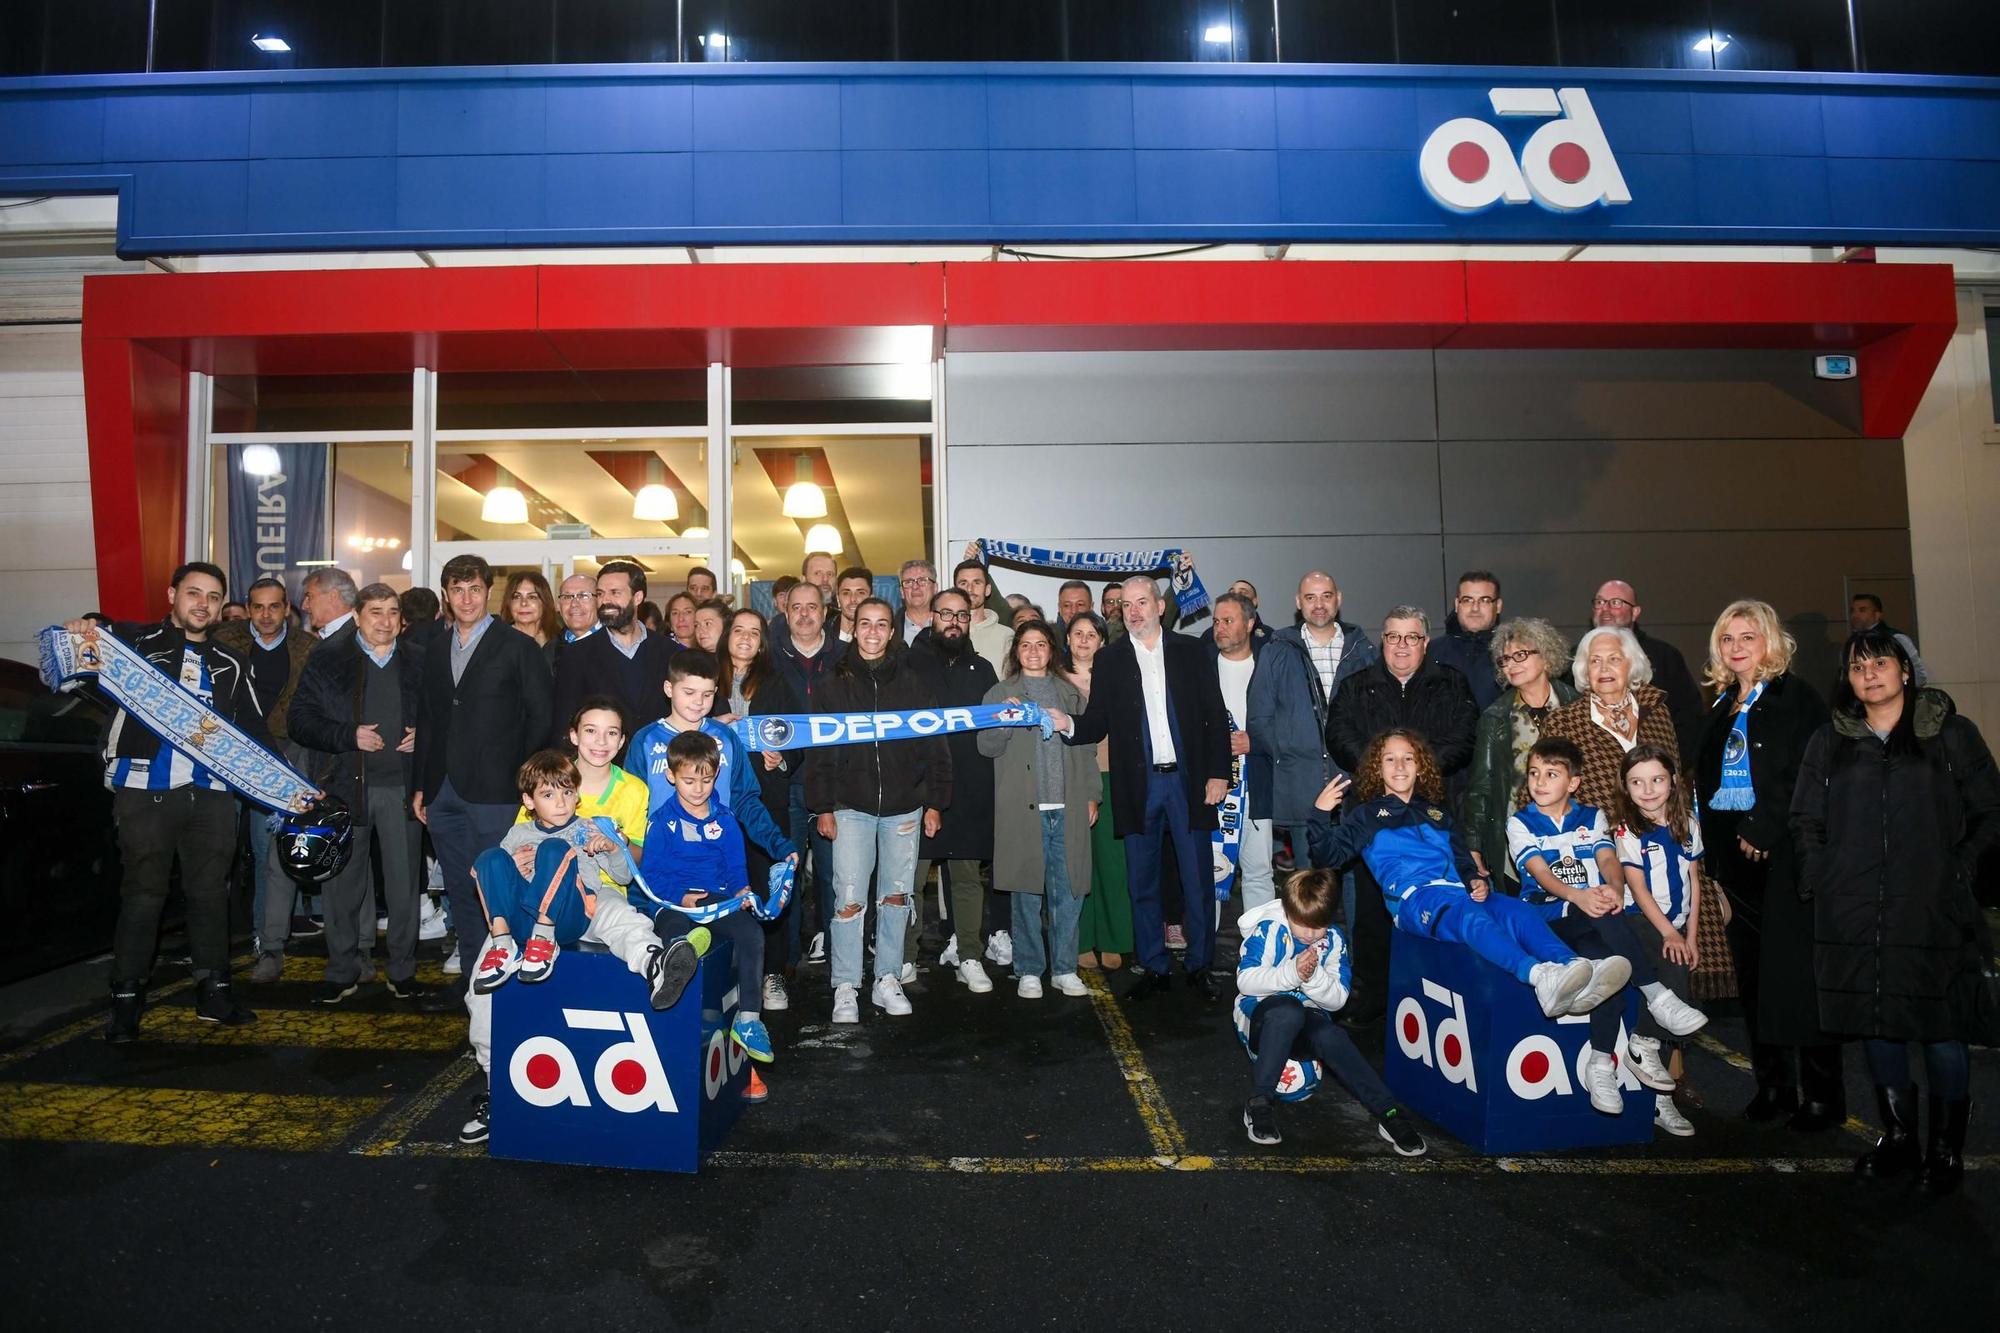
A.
pixel 886 847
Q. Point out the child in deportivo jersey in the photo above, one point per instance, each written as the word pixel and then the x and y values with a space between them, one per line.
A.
pixel 1292 976
pixel 1397 824
pixel 1570 872
pixel 596 734
pixel 1659 843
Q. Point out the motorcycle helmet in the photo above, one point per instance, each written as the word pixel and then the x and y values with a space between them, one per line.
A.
pixel 314 844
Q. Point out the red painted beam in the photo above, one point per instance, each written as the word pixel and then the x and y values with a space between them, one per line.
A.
pixel 135 411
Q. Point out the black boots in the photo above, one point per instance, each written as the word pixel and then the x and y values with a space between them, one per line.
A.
pixel 1772 1102
pixel 1895 1154
pixel 128 1001
pixel 1944 1161
pixel 1822 1095
pixel 213 1003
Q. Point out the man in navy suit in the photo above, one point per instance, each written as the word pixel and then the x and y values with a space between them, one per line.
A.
pixel 1157 697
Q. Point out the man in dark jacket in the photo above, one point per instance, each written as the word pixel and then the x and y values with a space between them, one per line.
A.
pixel 804 657
pixel 624 659
pixel 576 603
pixel 1467 644
pixel 1403 689
pixel 874 800
pixel 482 710
pixel 355 712
pixel 959 678
pixel 1157 697
pixel 167 805
pixel 1289 700
pixel 1616 605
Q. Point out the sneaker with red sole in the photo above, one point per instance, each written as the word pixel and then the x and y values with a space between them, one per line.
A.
pixel 538 956
pixel 755 1091
pixel 497 965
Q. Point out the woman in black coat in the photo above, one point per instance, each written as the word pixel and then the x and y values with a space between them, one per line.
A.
pixel 1897 798
pixel 1747 765
pixel 753 687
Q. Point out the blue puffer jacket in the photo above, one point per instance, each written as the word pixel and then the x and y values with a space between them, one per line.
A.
pixel 1288 722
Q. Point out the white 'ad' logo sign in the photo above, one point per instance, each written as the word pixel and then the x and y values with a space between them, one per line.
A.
pixel 1566 165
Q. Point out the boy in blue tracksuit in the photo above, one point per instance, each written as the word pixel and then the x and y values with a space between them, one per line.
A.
pixel 1398 826
pixel 1291 977
pixel 691 676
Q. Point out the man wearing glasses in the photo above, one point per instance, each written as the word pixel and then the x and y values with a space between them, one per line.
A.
pixel 1616 606
pixel 576 603
pixel 1468 634
pixel 1404 688
pixel 919 579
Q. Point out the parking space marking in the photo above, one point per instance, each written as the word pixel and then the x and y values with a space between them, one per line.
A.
pixel 391 1137
pixel 91 1025
pixel 1736 1060
pixel 1162 1129
pixel 327 1029
pixel 1306 1166
pixel 179 1117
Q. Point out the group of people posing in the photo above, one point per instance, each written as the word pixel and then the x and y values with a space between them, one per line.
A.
pixel 1578 816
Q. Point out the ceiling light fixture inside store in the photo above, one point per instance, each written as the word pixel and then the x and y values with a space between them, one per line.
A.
pixel 823 537
pixel 736 571
pixel 804 498
pixel 1217 33
pixel 695 534
pixel 261 460
pixel 407 563
pixel 1712 43
pixel 656 501
pixel 269 42
pixel 504 504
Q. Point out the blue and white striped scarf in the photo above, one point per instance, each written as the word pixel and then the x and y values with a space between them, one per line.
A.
pixel 1189 596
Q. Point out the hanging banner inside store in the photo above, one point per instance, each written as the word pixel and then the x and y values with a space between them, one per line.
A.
pixel 277 513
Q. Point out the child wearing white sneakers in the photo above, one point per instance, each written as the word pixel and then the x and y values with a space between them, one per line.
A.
pixel 1570 872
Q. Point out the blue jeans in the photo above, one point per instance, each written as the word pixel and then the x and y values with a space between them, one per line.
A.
pixel 1064 907
pixel 1167 816
pixel 507 893
pixel 886 847
pixel 460 831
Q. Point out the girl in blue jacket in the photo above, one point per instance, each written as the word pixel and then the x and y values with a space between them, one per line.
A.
pixel 1398 825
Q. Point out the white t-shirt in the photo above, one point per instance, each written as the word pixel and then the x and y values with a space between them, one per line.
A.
pixel 1236 689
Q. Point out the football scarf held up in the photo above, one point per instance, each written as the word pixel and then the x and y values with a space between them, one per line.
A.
pixel 178 718
pixel 805 731
pixel 1189 596
pixel 1229 818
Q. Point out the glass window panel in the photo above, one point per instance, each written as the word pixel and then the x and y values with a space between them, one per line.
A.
pixel 311 402
pixel 791 395
pixel 1337 31
pixel 722 30
pixel 470 32
pixel 877 497
pixel 1929 36
pixel 558 400
pixel 94 36
pixel 23 26
pixel 215 34
pixel 1634 34
pixel 366 518
pixel 586 486
pixel 1169 30
pixel 616 31
pixel 980 30
pixel 1781 34
pixel 1474 32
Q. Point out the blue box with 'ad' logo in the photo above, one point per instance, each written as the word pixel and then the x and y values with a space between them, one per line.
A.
pixel 586 1073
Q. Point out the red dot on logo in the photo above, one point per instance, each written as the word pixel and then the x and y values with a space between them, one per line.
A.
pixel 1411 1028
pixel 1569 163
pixel 1453 1050
pixel 715 1062
pixel 1468 162
pixel 543 1071
pixel 1534 1067
pixel 628 1076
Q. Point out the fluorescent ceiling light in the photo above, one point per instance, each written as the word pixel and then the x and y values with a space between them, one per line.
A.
pixel 1216 32
pixel 270 42
pixel 261 460
pixel 1712 43
pixel 656 504
pixel 823 537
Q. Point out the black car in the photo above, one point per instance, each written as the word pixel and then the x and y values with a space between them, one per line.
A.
pixel 59 870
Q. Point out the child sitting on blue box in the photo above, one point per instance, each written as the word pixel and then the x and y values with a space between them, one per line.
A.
pixel 1291 978
pixel 694 857
pixel 1570 872
pixel 1397 824
pixel 1659 842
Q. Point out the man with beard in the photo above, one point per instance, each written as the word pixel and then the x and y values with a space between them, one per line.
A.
pixel 960 678
pixel 1467 643
pixel 626 661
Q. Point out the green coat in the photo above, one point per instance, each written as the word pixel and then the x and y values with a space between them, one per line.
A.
pixel 1017 822
pixel 1493 780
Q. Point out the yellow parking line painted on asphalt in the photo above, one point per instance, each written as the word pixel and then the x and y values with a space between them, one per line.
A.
pixel 1737 1060
pixel 313 969
pixel 1305 1166
pixel 391 1135
pixel 326 1029
pixel 1162 1128
pixel 85 1027
pixel 179 1117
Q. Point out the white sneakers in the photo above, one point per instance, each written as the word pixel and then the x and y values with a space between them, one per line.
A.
pixel 949 958
pixel 1600 1077
pixel 816 950
pixel 1000 948
pixel 845 1008
pixel 1667 1116
pixel 430 922
pixel 888 996
pixel 972 975
pixel 1642 1057
pixel 1674 1014
pixel 452 967
pixel 1028 987
pixel 1556 984
pixel 908 976
pixel 1607 977
pixel 1069 983
pixel 775 996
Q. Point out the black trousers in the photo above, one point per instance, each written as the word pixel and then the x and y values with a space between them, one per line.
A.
pixel 1281 1028
pixel 1814 1070
pixel 1370 933
pixel 197 826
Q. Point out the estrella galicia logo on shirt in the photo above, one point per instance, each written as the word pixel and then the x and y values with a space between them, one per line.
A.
pixel 774 731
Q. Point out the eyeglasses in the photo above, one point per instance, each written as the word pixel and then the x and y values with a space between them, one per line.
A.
pixel 1519 656
pixel 1411 640
pixel 1615 603
pixel 1478 601
pixel 576 597
pixel 917 581
pixel 953 616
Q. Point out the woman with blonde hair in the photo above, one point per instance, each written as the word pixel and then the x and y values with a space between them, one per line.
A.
pixel 1745 768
